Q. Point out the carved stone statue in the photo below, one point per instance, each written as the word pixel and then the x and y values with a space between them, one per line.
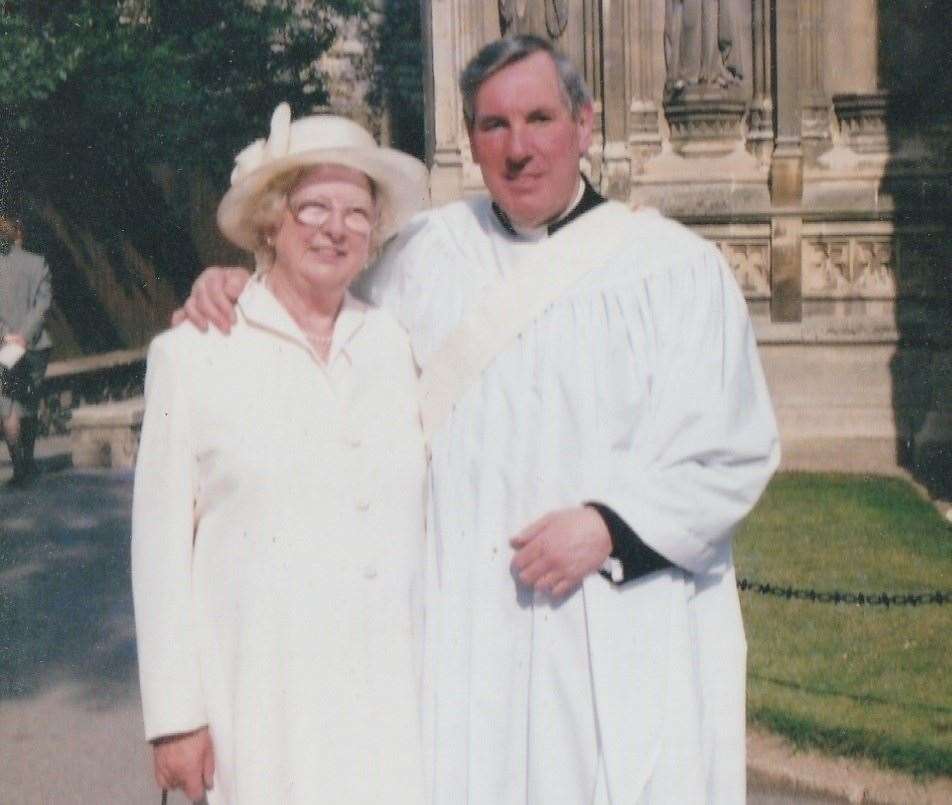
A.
pixel 546 18
pixel 701 44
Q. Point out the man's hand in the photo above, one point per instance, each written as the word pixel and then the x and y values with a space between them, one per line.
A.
pixel 557 551
pixel 15 338
pixel 213 298
pixel 185 761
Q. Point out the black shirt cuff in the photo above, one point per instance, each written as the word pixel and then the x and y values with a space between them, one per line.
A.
pixel 637 559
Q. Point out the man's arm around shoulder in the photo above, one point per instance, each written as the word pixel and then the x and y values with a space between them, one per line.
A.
pixel 213 298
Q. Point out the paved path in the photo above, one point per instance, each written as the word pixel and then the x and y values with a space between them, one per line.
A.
pixel 70 727
pixel 69 714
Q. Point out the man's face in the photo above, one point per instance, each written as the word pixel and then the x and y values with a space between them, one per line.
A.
pixel 526 142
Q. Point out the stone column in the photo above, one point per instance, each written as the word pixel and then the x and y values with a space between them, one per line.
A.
pixel 814 99
pixel 760 133
pixel 786 169
pixel 442 106
pixel 616 160
pixel 453 30
pixel 587 28
pixel 644 136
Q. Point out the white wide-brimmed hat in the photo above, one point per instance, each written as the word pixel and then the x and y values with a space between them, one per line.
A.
pixel 400 180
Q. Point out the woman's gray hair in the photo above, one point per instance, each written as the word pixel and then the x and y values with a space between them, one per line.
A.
pixel 510 49
pixel 269 209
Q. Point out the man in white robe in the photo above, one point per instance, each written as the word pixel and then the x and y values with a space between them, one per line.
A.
pixel 584 636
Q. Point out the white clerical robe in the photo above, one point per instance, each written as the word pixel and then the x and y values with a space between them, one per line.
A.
pixel 640 389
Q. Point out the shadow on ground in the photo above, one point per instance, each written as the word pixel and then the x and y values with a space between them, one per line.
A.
pixel 65 597
pixel 832 692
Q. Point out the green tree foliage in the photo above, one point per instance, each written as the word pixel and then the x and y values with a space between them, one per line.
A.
pixel 119 121
pixel 142 82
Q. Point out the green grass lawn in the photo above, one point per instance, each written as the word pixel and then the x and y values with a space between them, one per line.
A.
pixel 854 680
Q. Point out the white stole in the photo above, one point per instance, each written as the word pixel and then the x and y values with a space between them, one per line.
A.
pixel 509 306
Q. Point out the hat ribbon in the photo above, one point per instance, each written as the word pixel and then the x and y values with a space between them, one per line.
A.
pixel 260 152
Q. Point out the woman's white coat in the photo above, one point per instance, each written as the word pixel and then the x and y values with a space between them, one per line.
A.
pixel 277 544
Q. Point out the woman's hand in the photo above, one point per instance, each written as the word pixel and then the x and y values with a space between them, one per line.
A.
pixel 185 761
pixel 213 298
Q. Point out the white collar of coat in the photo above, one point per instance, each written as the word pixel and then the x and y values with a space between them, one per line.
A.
pixel 261 308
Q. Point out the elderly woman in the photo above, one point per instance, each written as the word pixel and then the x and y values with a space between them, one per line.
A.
pixel 277 518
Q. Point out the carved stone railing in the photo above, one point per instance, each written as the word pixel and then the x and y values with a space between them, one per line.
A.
pixel 72 383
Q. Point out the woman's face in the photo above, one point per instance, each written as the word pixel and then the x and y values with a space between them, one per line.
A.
pixel 323 240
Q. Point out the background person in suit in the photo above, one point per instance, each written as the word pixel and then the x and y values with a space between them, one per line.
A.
pixel 25 296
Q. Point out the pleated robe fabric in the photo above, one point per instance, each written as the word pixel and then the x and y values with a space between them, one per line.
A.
pixel 641 389
pixel 277 555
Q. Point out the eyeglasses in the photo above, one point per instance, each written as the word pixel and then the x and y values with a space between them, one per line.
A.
pixel 316 212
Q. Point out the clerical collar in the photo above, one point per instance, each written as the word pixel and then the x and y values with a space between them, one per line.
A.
pixel 586 198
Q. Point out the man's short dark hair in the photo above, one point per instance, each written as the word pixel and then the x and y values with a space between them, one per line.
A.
pixel 510 49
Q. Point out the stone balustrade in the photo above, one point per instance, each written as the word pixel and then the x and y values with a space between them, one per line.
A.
pixel 78 382
pixel 107 434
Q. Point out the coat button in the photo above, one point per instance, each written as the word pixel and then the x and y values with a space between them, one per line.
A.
pixel 370 571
